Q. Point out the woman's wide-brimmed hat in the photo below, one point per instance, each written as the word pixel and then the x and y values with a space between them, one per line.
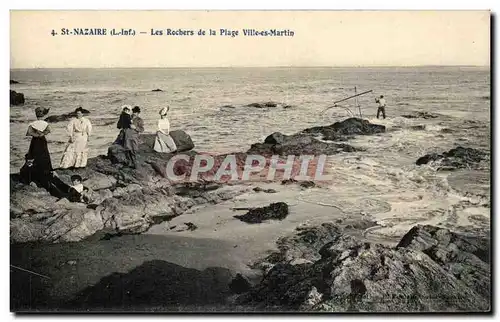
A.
pixel 79 109
pixel 164 110
pixel 41 111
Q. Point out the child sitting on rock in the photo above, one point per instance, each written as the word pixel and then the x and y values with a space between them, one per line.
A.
pixel 77 192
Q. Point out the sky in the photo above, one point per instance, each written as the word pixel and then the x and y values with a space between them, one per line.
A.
pixel 321 38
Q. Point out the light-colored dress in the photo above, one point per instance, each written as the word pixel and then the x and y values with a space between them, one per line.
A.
pixel 164 142
pixel 76 152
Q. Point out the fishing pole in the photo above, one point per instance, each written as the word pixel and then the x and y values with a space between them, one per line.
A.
pixel 345 99
pixel 28 271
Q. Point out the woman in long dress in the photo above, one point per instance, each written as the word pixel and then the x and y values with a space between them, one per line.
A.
pixel 131 137
pixel 38 156
pixel 164 142
pixel 76 153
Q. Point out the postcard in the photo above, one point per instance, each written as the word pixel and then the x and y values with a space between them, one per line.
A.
pixel 250 161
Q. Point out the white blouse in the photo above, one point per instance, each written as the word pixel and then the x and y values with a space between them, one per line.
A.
pixel 164 125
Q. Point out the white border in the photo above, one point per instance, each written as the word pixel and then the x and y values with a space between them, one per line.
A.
pixel 199 5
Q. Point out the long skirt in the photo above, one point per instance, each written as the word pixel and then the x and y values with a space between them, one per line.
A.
pixel 39 152
pixel 130 140
pixel 38 171
pixel 76 153
pixel 164 143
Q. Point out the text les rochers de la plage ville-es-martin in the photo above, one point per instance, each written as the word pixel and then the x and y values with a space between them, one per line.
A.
pixel 174 32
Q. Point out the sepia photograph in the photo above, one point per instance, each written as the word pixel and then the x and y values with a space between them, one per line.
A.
pixel 277 161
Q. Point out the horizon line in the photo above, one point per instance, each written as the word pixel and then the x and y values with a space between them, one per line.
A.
pixel 278 66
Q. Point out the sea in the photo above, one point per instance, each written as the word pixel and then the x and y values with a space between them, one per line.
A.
pixel 380 181
pixel 199 100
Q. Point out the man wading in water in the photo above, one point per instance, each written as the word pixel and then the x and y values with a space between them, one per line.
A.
pixel 381 106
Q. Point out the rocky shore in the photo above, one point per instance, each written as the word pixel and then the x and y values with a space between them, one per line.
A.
pixel 321 267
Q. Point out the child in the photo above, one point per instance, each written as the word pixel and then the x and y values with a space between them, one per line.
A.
pixel 77 192
pixel 124 123
pixel 125 118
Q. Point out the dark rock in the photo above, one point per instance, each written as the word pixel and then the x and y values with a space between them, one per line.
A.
pixel 64 117
pixel 417 127
pixel 431 270
pixel 307 184
pixel 157 90
pixel 182 140
pixel 266 105
pixel 257 105
pixel 350 126
pixel 191 226
pixel 239 284
pixel 420 115
pixel 458 158
pixel 14 81
pixel 16 98
pixel 288 181
pixel 297 144
pixel 277 210
pixel 446 130
pixel 259 189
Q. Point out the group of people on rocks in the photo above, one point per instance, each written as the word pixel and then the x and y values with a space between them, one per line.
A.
pixel 38 169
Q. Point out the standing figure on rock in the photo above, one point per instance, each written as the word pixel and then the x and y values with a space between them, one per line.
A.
pixel 38 156
pixel 131 143
pixel 381 105
pixel 76 153
pixel 124 123
pixel 164 142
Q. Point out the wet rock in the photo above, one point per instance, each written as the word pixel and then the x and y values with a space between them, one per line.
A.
pixel 420 115
pixel 457 158
pixel 297 144
pixel 64 117
pixel 16 98
pixel 267 105
pixel 278 211
pixel 417 127
pixel 307 184
pixel 431 270
pixel 259 189
pixel 157 90
pixel 350 126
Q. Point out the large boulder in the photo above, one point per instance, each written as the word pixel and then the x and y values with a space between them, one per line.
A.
pixel 297 144
pixel 182 140
pixel 351 126
pixel 16 98
pixel 146 152
pixel 431 270
pixel 457 158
